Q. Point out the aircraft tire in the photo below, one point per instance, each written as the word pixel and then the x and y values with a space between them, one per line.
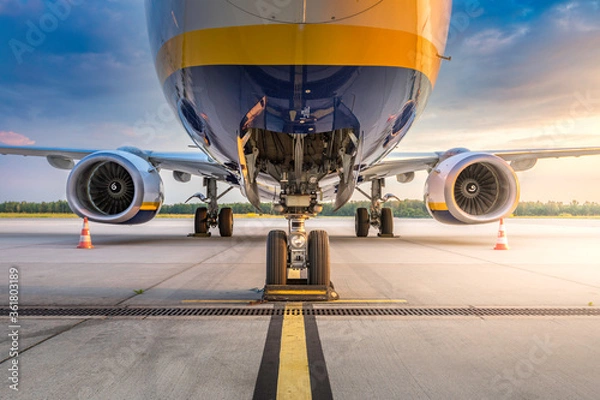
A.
pixel 226 222
pixel 201 221
pixel 361 222
pixel 387 222
pixel 318 258
pixel 277 255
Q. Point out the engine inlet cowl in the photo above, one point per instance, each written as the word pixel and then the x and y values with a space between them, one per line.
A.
pixel 471 188
pixel 115 187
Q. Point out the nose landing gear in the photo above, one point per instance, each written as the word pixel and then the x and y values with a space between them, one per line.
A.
pixel 298 265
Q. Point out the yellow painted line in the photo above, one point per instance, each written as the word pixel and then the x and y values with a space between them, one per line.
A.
pixel 298 292
pixel 293 382
pixel 298 44
pixel 378 301
pixel 149 206
pixel 438 206
pixel 217 301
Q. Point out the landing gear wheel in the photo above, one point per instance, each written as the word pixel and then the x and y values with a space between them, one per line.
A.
pixel 387 222
pixel 226 222
pixel 277 256
pixel 318 258
pixel 201 221
pixel 361 222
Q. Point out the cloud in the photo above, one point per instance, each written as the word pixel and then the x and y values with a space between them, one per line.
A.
pixel 91 69
pixel 576 16
pixel 15 139
pixel 520 80
pixel 494 40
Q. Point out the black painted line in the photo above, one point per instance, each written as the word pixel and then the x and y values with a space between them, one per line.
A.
pixel 319 377
pixel 268 373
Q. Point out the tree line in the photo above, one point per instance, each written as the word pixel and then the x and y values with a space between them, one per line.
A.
pixel 402 209
pixel 405 208
pixel 23 207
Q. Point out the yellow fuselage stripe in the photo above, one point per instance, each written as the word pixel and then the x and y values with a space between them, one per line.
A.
pixel 297 44
pixel 293 381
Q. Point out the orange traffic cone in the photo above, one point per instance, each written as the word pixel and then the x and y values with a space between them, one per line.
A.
pixel 502 243
pixel 85 240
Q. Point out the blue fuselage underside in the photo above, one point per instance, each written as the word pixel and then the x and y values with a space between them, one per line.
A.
pixel 217 103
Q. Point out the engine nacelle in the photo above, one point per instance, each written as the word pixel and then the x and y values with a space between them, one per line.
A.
pixel 115 187
pixel 471 188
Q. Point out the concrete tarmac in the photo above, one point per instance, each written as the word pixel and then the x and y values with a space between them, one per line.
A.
pixel 551 263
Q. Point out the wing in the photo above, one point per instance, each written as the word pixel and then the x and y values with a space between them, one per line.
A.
pixel 521 160
pixel 196 163
pixel 400 163
pixel 74 154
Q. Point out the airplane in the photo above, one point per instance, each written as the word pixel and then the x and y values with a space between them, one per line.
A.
pixel 296 103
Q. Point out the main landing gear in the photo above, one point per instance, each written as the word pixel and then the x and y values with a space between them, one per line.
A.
pixel 211 217
pixel 380 217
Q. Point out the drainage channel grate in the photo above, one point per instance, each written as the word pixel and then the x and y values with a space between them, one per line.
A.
pixel 251 312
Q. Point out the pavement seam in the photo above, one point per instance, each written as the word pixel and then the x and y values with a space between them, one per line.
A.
pixel 174 275
pixel 28 246
pixel 46 339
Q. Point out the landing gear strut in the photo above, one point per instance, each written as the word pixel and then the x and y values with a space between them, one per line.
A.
pixel 298 266
pixel 210 217
pixel 380 217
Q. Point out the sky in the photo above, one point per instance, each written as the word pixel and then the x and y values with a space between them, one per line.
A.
pixel 524 74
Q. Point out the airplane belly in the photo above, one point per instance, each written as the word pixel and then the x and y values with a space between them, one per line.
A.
pixel 217 103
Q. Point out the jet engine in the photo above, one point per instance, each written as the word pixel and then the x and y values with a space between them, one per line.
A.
pixel 471 188
pixel 115 187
